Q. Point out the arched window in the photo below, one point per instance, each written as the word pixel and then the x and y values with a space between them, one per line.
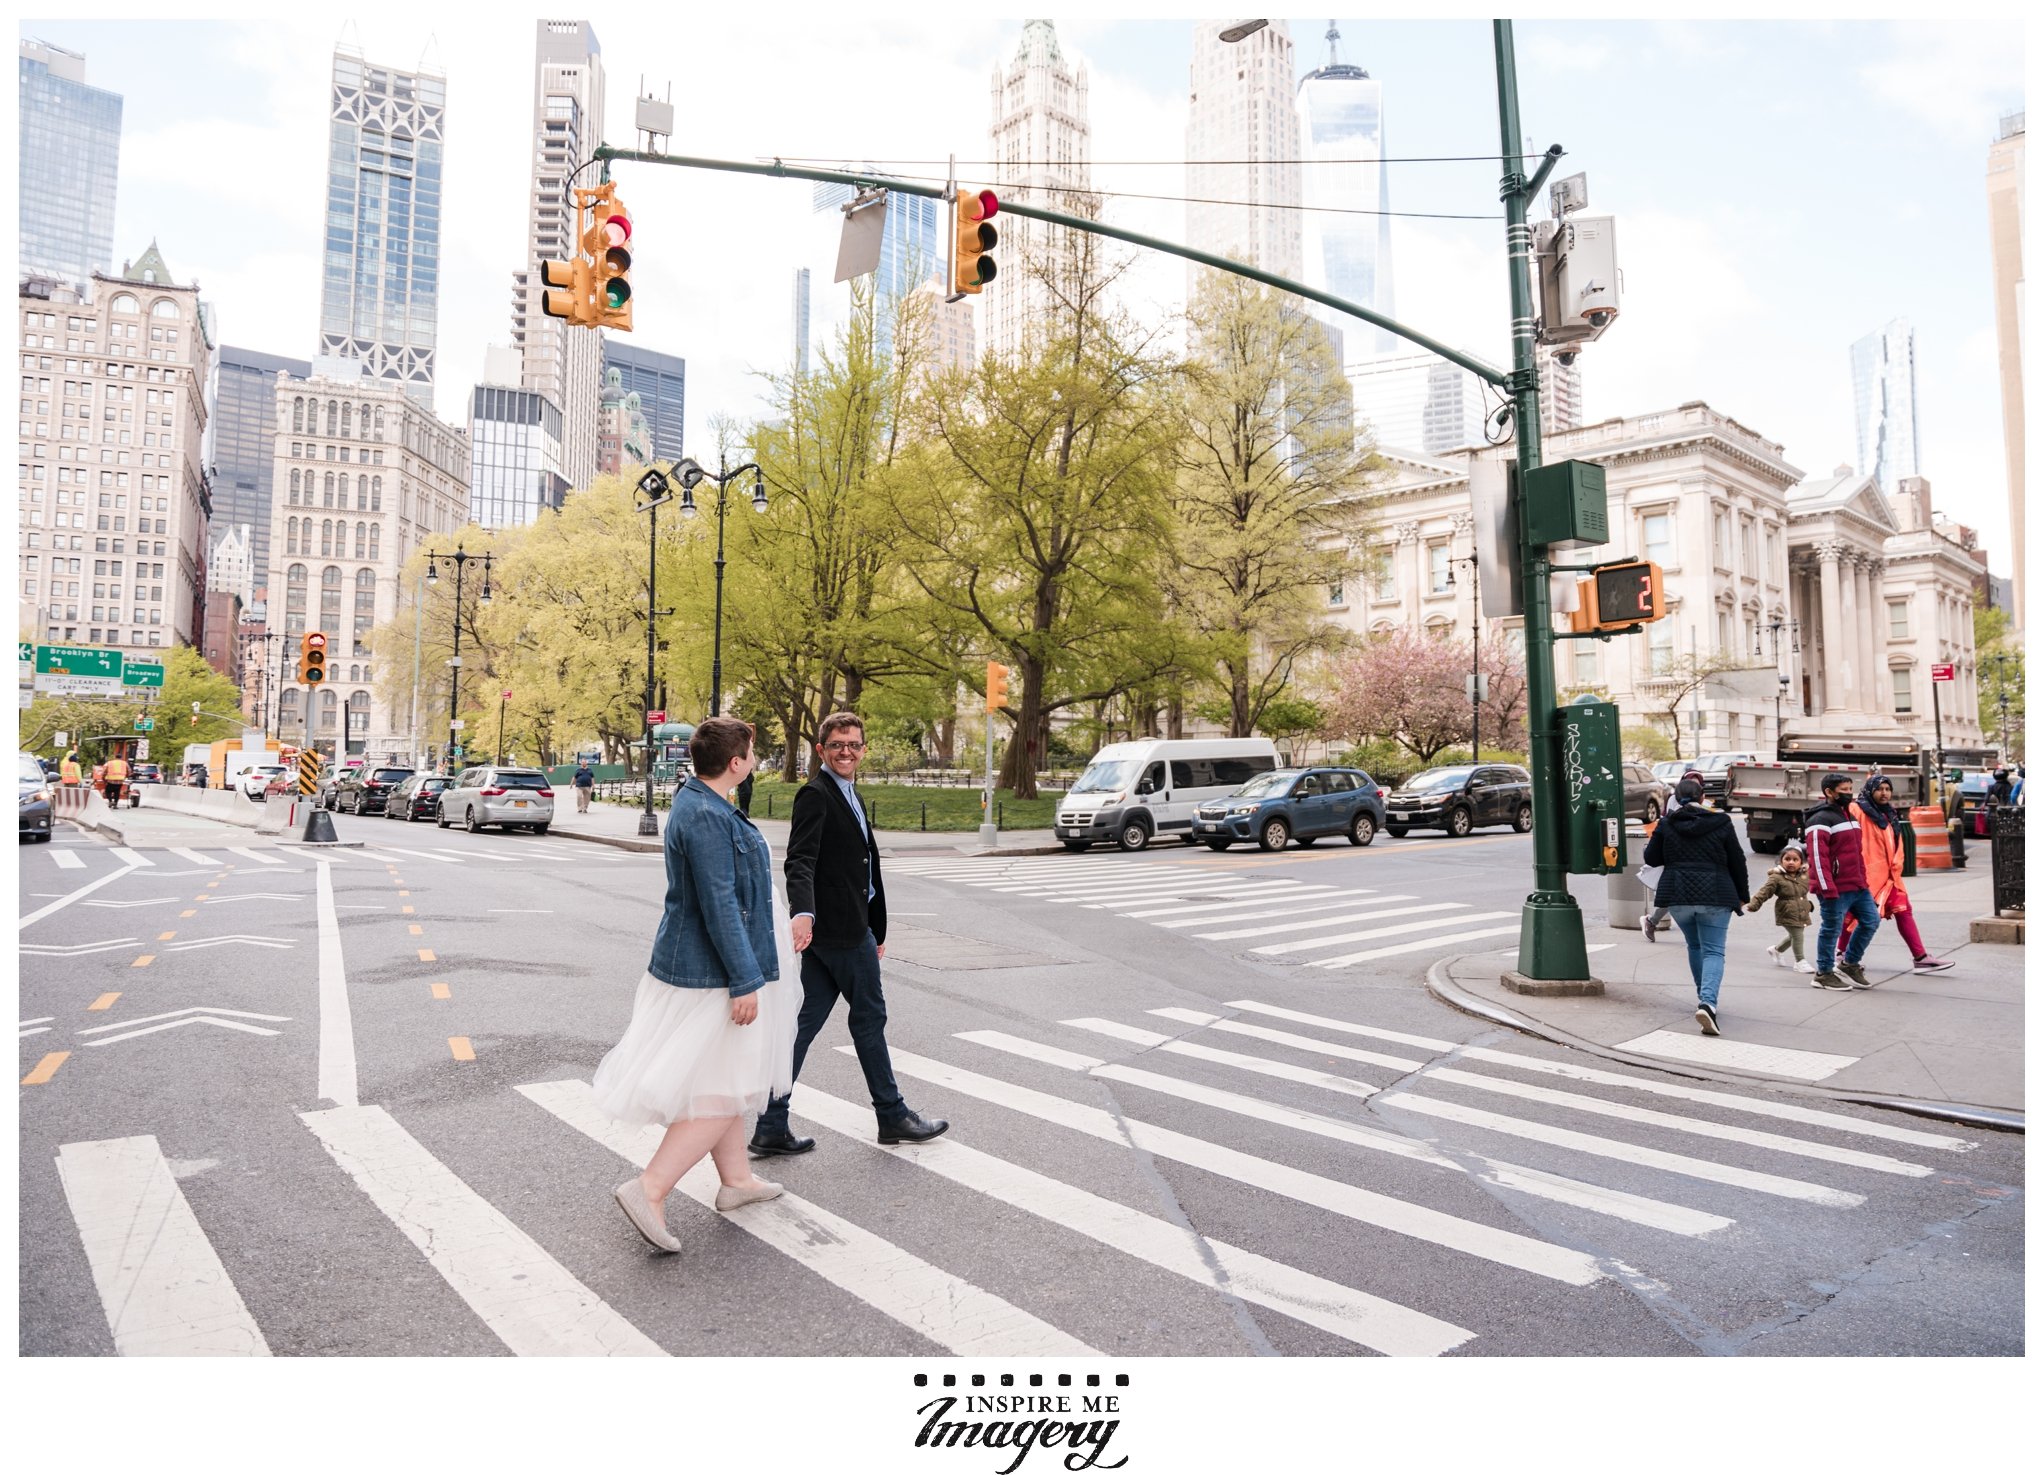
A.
pixel 163 307
pixel 375 538
pixel 294 486
pixel 290 706
pixel 375 494
pixel 326 539
pixel 333 414
pixel 365 421
pixel 348 421
pixel 329 710
pixel 298 415
pixel 291 536
pixel 361 540
pixel 358 714
pixel 125 303
pixel 361 494
pixel 379 422
pixel 327 491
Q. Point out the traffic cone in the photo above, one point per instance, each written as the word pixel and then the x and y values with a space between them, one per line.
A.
pixel 319 827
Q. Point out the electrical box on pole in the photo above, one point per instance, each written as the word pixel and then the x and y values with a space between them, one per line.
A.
pixel 1565 505
pixel 1592 776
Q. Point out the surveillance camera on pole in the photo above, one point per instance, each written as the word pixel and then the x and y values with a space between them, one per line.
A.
pixel 1577 261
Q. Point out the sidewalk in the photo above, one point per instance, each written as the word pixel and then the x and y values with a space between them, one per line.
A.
pixel 155 826
pixel 1948 1045
pixel 616 825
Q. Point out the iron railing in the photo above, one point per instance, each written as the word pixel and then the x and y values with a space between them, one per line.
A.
pixel 2005 841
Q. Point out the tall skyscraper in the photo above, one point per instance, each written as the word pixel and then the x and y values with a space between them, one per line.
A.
pixel 911 248
pixel 2005 241
pixel 1884 398
pixel 70 164
pixel 244 438
pixel 799 360
pixel 660 381
pixel 1341 138
pixel 1242 144
pixel 514 451
pixel 1417 401
pixel 1561 395
pixel 563 363
pixel 379 302
pixel 1043 155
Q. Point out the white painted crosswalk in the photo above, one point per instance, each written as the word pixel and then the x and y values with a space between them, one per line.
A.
pixel 1309 924
pixel 1260 1099
pixel 522 855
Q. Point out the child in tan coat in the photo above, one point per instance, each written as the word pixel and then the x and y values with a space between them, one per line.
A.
pixel 1789 884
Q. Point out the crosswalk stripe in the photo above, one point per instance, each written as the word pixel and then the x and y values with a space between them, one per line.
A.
pixel 1626 1152
pixel 1235 895
pixel 164 1290
pixel 1197 913
pixel 1342 921
pixel 133 858
pixel 255 855
pixel 1133 887
pixel 442 859
pixel 1597 1106
pixel 1417 947
pixel 1573 1267
pixel 1653 1213
pixel 67 860
pixel 951 1312
pixel 1281 949
pixel 1778 1109
pixel 1355 1316
pixel 1340 1025
pixel 193 855
pixel 1286 1037
pixel 1255 1064
pixel 525 1296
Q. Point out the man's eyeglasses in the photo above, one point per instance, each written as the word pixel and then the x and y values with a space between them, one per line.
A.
pixel 844 747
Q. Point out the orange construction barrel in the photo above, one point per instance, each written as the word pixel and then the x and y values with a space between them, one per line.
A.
pixel 1933 844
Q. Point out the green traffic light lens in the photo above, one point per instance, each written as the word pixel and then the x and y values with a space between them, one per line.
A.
pixel 617 293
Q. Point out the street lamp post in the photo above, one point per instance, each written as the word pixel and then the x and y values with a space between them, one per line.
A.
pixel 691 476
pixel 460 558
pixel 1774 629
pixel 654 490
pixel 501 706
pixel 262 667
pixel 1999 660
pixel 1476 692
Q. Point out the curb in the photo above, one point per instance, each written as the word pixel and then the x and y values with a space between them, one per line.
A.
pixel 645 845
pixel 640 844
pixel 1994 1118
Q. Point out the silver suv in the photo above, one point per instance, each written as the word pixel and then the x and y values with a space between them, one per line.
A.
pixel 490 795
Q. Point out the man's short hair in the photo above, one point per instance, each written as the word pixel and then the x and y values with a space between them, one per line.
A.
pixel 716 743
pixel 838 722
pixel 1832 781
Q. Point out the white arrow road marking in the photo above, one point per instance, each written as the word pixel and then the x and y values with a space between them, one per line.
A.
pixel 41 1029
pixel 337 1078
pixel 249 1029
pixel 255 896
pixel 153 901
pixel 164 1290
pixel 252 939
pixel 100 1029
pixel 193 855
pixel 85 890
pixel 72 949
pixel 256 855
pixel 40 1019
pixel 133 857
pixel 67 860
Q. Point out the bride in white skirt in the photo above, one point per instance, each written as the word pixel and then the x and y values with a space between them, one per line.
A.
pixel 709 1042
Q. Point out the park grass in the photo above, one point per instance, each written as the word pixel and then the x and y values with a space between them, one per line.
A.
pixel 914 807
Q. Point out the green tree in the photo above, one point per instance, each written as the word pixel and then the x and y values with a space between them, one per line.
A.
pixel 1999 653
pixel 1666 693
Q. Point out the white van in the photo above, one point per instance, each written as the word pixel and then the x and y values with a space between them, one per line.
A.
pixel 1131 793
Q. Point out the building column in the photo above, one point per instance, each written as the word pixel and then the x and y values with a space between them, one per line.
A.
pixel 1831 686
pixel 1873 628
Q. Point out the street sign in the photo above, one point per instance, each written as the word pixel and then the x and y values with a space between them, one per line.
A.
pixel 656 718
pixel 1943 673
pixel 142 749
pixel 308 771
pixel 507 696
pixel 145 724
pixel 458 724
pixel 142 673
pixel 78 670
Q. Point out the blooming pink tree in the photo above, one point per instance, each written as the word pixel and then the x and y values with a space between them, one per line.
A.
pixel 1402 685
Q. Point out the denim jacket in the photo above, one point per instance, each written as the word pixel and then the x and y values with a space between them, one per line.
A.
pixel 717 928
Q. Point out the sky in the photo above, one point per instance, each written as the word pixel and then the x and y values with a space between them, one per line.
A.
pixel 1781 189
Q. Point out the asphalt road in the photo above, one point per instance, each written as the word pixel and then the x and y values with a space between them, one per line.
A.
pixel 1201 1104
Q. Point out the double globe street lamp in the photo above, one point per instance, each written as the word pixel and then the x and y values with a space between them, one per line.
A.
pixel 460 558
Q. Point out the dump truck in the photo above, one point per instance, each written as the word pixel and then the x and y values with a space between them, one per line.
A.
pixel 1774 796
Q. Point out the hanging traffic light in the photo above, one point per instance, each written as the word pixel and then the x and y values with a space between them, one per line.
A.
pixel 571 282
pixel 971 267
pixel 997 685
pixel 312 657
pixel 608 244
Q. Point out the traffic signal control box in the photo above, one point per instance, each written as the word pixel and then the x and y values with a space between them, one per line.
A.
pixel 1565 505
pixel 1592 777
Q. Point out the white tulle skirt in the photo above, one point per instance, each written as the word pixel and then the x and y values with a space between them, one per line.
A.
pixel 682 1059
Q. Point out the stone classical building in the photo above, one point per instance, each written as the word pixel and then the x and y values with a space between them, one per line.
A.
pixel 1042 147
pixel 1818 581
pixel 364 476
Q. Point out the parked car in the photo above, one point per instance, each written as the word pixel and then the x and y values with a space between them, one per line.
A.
pixel 1670 773
pixel 1646 796
pixel 418 797
pixel 1134 792
pixel 145 773
pixel 283 786
pixel 35 798
pixel 1714 769
pixel 364 790
pixel 255 782
pixel 1462 798
pixel 493 795
pixel 1289 804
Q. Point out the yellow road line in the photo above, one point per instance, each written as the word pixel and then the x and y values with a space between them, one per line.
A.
pixel 406 910
pixel 404 893
pixel 192 913
pixel 47 1067
pixel 417 930
pixel 461 1049
pixel 165 936
pixel 104 1001
pixel 211 884
pixel 440 991
pixel 144 961
pixel 426 955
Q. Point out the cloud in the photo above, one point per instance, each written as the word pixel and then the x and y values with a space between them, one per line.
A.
pixel 1545 53
pixel 1955 77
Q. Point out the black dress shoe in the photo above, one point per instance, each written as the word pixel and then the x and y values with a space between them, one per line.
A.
pixel 778 1144
pixel 912 1128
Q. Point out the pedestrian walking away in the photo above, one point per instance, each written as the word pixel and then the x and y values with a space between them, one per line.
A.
pixel 1789 884
pixel 1703 882
pixel 1655 919
pixel 1838 877
pixel 1881 849
pixel 585 781
pixel 712 1033
pixel 838 902
pixel 114 780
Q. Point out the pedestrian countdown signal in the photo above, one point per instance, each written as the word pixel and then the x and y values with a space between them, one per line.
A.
pixel 1619 596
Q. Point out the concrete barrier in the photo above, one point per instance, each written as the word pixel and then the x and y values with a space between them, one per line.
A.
pixel 225 805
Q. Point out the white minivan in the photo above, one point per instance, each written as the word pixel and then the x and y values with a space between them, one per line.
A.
pixel 1132 793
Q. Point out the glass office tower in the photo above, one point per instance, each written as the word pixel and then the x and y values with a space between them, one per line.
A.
pixel 658 379
pixel 1884 400
pixel 1341 135
pixel 70 164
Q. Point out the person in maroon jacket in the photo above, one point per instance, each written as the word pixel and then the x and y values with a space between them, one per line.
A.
pixel 1838 879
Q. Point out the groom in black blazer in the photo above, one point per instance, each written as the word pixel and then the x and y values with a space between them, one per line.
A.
pixel 837 910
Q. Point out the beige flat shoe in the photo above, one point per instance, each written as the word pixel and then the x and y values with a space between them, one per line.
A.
pixel 737 1198
pixel 648 1220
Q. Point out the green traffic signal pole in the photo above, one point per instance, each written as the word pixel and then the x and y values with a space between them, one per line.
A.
pixel 1551 944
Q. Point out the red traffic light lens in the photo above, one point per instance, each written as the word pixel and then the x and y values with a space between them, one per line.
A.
pixel 988 204
pixel 617 229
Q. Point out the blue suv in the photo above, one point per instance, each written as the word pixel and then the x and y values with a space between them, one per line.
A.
pixel 1289 804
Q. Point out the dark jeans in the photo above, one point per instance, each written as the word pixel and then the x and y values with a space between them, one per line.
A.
pixel 854 973
pixel 1831 915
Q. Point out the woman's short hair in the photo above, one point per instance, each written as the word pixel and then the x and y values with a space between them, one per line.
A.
pixel 716 743
pixel 1689 791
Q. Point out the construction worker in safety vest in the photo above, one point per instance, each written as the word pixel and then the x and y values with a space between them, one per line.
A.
pixel 116 779
pixel 68 771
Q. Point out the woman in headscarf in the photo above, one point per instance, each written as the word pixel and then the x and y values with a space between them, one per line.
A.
pixel 1880 826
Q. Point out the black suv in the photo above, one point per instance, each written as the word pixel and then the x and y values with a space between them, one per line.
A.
pixel 364 790
pixel 1462 798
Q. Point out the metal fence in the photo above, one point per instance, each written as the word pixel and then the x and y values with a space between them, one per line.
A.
pixel 2005 840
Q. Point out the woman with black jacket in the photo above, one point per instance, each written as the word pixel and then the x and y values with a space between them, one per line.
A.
pixel 1703 882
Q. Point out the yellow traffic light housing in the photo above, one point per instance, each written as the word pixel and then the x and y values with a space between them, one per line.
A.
pixel 1618 596
pixel 312 658
pixel 997 685
pixel 608 245
pixel 572 291
pixel 971 265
